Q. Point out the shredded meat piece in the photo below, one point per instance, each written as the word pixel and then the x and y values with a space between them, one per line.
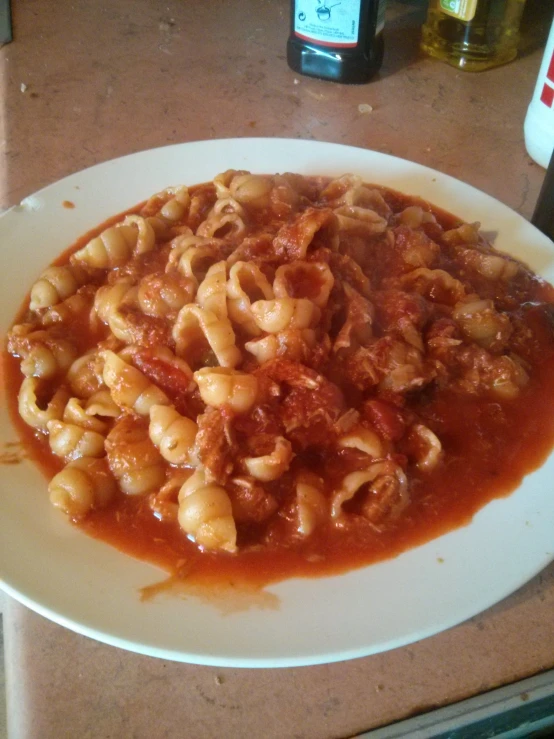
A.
pixel 215 445
pixel 290 192
pixel 129 448
pixel 357 328
pixel 343 267
pixel 346 269
pixel 443 334
pixel 386 418
pixel 147 330
pixel 393 365
pixel 360 368
pixel 293 373
pixel 318 355
pixel 312 405
pixel 402 313
pixel 164 502
pixel 175 383
pixel 138 266
pixel 346 421
pixel 471 368
pixel 263 418
pixel 251 502
pixel 483 373
pixel 312 229
pixel 309 420
pixel 309 416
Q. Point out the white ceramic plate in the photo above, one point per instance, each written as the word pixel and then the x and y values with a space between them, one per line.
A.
pixel 91 588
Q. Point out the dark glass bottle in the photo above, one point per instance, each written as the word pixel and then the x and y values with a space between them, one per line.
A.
pixel 339 40
pixel 543 217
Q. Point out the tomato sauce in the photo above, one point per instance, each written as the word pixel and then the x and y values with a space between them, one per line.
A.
pixel 489 446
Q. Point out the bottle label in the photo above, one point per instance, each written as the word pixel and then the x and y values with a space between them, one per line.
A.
pixel 462 9
pixel 328 22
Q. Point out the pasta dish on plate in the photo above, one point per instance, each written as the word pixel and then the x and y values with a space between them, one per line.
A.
pixel 282 375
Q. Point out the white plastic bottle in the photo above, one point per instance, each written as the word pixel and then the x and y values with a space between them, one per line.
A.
pixel 539 122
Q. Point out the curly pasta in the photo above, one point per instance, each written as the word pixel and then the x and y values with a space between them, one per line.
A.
pixel 71 442
pixel 129 387
pixel 162 295
pixel 246 284
pixel 175 203
pixel 42 354
pixel 360 221
pixel 108 303
pixel 71 308
pixel 223 224
pixel 82 486
pixel 195 325
pixel 111 249
pixel 311 280
pixel 250 189
pixel 295 344
pixel 146 235
pixel 195 261
pixel 387 492
pixel 134 461
pixel 85 374
pixel 173 434
pixel 271 466
pixel 101 403
pixel 212 292
pixel 363 439
pixel 30 410
pixel 221 386
pixel 77 414
pixel 312 505
pixel 274 316
pixel 206 514
pixel 55 285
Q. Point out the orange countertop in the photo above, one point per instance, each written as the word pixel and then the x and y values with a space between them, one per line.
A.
pixel 85 82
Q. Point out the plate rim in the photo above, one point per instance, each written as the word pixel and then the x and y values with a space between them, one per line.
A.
pixel 33 203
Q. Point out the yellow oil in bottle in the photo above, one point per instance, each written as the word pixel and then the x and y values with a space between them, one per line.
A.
pixel 473 34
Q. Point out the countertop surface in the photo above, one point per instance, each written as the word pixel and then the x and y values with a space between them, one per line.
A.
pixel 84 82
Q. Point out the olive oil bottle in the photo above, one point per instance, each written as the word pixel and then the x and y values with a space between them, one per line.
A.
pixel 473 34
